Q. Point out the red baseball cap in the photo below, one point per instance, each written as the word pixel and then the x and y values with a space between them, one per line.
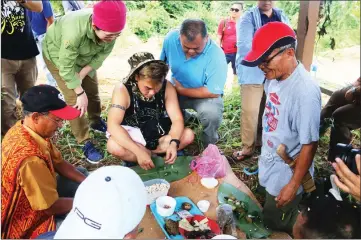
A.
pixel 269 37
pixel 45 98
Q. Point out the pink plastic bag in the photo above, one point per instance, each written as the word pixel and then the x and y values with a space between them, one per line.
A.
pixel 210 164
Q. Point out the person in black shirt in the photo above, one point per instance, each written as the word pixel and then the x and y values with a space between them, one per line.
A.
pixel 145 117
pixel 18 52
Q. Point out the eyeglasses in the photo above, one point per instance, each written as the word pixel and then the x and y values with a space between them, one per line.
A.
pixel 58 122
pixel 234 10
pixel 267 62
pixel 111 35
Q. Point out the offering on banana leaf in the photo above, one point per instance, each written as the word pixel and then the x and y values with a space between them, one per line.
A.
pixel 240 209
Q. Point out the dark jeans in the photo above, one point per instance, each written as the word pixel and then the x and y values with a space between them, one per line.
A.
pixel 346 117
pixel 67 188
pixel 283 218
pixel 231 57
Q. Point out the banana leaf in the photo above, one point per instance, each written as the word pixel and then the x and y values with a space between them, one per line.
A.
pixel 171 173
pixel 255 229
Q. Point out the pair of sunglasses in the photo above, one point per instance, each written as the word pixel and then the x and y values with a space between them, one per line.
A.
pixel 234 10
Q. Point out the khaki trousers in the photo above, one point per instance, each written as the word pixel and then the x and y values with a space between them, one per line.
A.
pixel 17 76
pixel 253 102
pixel 79 126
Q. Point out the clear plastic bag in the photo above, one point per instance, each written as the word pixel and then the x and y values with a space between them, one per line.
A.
pixel 210 164
pixel 225 220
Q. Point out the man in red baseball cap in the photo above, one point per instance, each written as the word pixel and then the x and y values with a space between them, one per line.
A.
pixel 74 47
pixel 291 117
pixel 31 194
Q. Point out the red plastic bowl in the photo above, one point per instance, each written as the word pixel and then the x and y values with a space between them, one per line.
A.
pixel 211 223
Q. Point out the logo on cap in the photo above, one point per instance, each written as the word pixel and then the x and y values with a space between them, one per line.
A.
pixel 88 221
pixel 61 97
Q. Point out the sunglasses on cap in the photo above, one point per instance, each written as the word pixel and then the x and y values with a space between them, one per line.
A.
pixel 234 10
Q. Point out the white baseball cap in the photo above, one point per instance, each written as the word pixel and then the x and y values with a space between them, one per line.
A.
pixel 110 203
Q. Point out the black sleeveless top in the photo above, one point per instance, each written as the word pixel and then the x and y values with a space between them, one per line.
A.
pixel 150 117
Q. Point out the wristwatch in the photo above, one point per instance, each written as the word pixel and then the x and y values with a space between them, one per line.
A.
pixel 176 141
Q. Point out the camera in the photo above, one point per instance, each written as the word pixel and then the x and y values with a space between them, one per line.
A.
pixel 348 154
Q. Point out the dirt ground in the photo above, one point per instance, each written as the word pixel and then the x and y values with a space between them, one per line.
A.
pixel 335 68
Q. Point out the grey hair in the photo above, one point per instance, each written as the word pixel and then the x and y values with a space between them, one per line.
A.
pixel 291 45
pixel 27 113
pixel 192 27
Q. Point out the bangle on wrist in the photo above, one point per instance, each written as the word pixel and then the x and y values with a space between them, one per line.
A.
pixel 78 95
pixel 176 141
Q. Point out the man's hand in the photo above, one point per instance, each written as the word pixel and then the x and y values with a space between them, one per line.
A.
pixel 81 101
pixel 287 194
pixel 144 160
pixel 171 153
pixel 346 180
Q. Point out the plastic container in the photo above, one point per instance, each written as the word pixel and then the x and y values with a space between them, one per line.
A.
pixel 165 206
pixel 223 236
pixel 209 183
pixel 203 205
pixel 151 197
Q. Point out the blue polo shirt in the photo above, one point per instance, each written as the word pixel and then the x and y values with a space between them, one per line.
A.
pixel 38 20
pixel 208 69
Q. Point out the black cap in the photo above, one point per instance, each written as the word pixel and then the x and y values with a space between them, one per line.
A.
pixel 45 98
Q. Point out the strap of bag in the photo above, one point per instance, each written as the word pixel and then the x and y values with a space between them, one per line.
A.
pixel 224 28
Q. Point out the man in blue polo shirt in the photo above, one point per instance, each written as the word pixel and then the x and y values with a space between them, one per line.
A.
pixel 39 24
pixel 199 73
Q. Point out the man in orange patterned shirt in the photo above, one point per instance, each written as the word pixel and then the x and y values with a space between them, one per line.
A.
pixel 29 196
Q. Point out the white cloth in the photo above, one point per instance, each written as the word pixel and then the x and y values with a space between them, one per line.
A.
pixel 109 204
pixel 134 133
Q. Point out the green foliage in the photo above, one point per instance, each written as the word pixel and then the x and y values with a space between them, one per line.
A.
pixel 134 5
pixel 57 7
pixel 291 8
pixel 344 26
pixel 149 21
pixel 152 18
pixel 178 8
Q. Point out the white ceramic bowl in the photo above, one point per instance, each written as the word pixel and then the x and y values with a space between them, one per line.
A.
pixel 161 204
pixel 209 183
pixel 203 205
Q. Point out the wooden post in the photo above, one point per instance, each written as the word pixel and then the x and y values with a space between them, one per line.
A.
pixel 306 31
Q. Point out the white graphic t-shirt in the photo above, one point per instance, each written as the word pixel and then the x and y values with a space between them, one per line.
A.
pixel 291 117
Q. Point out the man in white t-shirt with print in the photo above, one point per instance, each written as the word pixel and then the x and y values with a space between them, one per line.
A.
pixel 291 117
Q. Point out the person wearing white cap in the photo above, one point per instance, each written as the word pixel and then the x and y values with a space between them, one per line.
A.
pixel 109 204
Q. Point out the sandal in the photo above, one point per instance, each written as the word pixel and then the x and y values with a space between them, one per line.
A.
pixel 239 156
